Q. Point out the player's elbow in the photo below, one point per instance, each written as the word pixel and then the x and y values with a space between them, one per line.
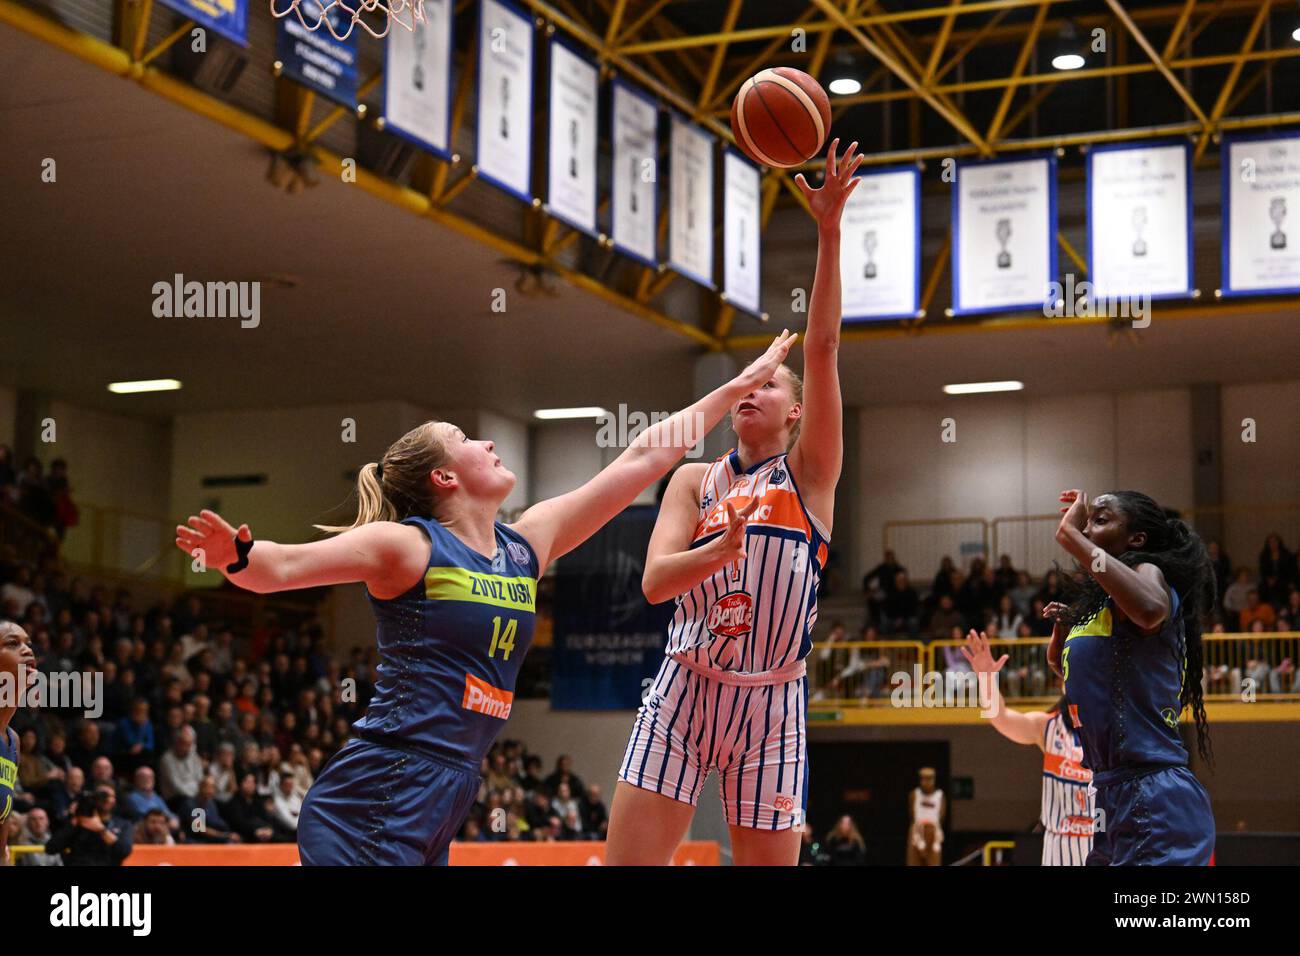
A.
pixel 652 587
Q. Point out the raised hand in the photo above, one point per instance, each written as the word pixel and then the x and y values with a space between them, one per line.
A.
pixel 981 658
pixel 214 536
pixel 827 201
pixel 1076 511
pixel 760 371
pixel 731 546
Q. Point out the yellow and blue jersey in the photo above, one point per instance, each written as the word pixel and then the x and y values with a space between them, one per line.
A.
pixel 1125 689
pixel 451 647
pixel 8 773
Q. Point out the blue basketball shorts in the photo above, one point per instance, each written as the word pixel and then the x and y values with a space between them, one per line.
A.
pixel 1156 818
pixel 380 805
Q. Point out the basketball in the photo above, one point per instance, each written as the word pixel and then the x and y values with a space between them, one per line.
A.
pixel 781 117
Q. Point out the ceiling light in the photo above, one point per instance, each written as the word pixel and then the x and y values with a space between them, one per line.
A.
pixel 550 414
pixel 845 86
pixel 149 385
pixel 1069 61
pixel 976 388
pixel 1296 35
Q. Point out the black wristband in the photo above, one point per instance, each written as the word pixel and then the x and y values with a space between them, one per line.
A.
pixel 241 548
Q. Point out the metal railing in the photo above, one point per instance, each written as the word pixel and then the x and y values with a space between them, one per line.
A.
pixel 849 674
pixel 126 542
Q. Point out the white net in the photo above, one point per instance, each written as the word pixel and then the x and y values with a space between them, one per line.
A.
pixel 341 17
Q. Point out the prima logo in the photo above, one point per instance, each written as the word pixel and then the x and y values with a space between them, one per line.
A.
pixel 77 909
pixel 59 690
pixel 209 300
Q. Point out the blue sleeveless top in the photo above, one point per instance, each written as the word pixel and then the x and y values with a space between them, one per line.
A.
pixel 1125 687
pixel 450 648
pixel 8 773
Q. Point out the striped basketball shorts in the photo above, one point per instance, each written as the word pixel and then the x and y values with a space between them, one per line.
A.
pixel 754 735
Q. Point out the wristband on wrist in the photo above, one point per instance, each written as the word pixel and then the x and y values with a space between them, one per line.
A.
pixel 241 549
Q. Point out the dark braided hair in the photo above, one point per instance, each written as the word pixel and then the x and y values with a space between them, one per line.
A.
pixel 1180 554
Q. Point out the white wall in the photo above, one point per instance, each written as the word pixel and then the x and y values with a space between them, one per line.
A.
pixel 113 460
pixel 1012 456
pixel 1263 472
pixel 510 439
pixel 566 454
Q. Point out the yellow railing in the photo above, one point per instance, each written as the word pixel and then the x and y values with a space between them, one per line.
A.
pixel 125 541
pixel 849 674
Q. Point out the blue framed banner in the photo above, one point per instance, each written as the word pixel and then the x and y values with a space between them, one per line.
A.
pixel 227 18
pixel 1140 208
pixel 1261 214
pixel 317 60
pixel 634 175
pixel 880 246
pixel 742 273
pixel 572 138
pixel 690 201
pixel 608 641
pixel 505 97
pixel 417 80
pixel 1003 235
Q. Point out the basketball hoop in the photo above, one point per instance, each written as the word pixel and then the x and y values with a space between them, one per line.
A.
pixel 339 17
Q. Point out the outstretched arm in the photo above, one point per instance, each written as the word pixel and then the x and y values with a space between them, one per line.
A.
pixel 817 456
pixel 388 557
pixel 1026 728
pixel 558 525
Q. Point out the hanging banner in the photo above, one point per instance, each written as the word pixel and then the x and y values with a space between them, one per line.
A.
pixel 1003 235
pixel 1140 220
pixel 417 80
pixel 880 246
pixel 741 241
pixel 571 170
pixel 690 201
pixel 317 60
pixel 607 639
pixel 505 97
pixel 227 18
pixel 635 172
pixel 1261 214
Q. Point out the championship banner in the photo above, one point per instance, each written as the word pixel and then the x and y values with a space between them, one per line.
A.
pixel 880 246
pixel 571 170
pixel 607 639
pixel 690 202
pixel 417 80
pixel 227 18
pixel 1261 214
pixel 1140 220
pixel 317 60
pixel 741 241
pixel 1003 235
pixel 635 176
pixel 505 98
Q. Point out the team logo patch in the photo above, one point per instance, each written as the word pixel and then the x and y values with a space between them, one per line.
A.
pixel 482 698
pixel 1170 717
pixel 784 804
pixel 518 553
pixel 732 615
pixel 778 476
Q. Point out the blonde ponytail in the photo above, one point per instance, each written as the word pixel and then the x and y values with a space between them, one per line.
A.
pixel 398 486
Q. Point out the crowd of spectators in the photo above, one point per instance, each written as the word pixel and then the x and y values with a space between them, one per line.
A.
pixel 1008 604
pixel 43 497
pixel 516 803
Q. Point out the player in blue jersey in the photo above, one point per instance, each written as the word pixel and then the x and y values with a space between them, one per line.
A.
pixel 1131 664
pixel 453 592
pixel 17 671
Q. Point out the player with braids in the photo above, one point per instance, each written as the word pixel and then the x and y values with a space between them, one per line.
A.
pixel 1128 647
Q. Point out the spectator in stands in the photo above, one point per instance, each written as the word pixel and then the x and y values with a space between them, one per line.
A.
pixel 1235 597
pixel 878 583
pixel 564 774
pixel 1256 610
pixel 1051 590
pixel 900 608
pixel 36 832
pixel 595 817
pixel 134 737
pixel 180 772
pixel 63 797
pixel 1277 570
pixel 154 830
pixel 1222 567
pixel 144 798
pixel 844 845
pixel 65 512
pixel 1007 618
pixel 564 802
pixel 286 804
pixel 36 772
pixel 34 498
pixel 531 779
pixel 943 580
pixel 209 826
pixel 248 813
pixel 1039 624
pixel 19 591
pixel 1257 667
pixel 95 836
pixel 1006 576
pixel 944 619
